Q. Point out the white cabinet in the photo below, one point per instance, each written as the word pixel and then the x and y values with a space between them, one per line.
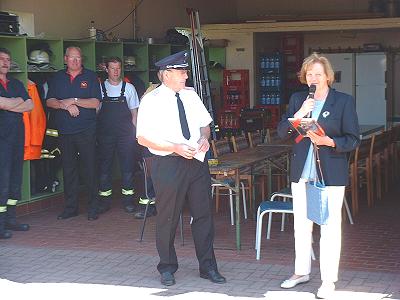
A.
pixel 363 76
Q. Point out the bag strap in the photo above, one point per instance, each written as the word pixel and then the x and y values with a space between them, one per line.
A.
pixel 318 163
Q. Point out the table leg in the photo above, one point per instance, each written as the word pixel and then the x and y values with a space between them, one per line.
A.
pixel 237 202
pixel 269 172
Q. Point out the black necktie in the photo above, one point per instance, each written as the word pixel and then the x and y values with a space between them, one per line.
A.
pixel 182 118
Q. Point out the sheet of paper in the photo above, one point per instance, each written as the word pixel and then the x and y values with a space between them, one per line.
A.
pixel 199 155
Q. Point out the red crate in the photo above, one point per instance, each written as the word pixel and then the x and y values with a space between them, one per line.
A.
pixel 236 98
pixel 229 119
pixel 236 78
pixel 236 89
pixel 292 79
pixel 292 42
pixel 293 61
pixel 273 113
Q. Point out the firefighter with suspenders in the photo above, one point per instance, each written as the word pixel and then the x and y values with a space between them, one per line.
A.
pixel 116 131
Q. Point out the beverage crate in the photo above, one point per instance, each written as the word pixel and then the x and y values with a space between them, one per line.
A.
pixel 293 61
pixel 236 89
pixel 292 43
pixel 238 78
pixel 235 98
pixel 273 115
pixel 229 119
pixel 253 119
pixel 293 51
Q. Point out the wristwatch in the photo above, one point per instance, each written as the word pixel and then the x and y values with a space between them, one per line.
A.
pixel 75 100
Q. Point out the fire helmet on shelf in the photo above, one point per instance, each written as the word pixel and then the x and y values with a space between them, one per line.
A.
pixel 129 61
pixel 39 57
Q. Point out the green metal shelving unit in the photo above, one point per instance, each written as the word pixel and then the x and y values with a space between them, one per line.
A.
pixel 93 53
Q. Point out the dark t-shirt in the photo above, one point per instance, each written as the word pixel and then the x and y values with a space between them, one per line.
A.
pixel 85 85
pixel 15 88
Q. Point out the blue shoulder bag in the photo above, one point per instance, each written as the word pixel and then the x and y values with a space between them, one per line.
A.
pixel 317 195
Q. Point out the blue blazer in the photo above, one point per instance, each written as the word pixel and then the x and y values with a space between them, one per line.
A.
pixel 339 120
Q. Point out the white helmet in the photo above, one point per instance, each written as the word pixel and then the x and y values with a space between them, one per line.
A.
pixel 129 61
pixel 39 57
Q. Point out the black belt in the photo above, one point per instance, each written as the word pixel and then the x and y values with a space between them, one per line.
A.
pixel 173 154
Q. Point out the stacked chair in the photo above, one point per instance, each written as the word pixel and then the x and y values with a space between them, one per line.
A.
pixel 219 148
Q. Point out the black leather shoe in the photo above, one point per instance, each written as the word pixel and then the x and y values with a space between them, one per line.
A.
pixel 6 234
pixel 130 208
pixel 167 278
pixel 17 226
pixel 213 276
pixel 66 215
pixel 92 216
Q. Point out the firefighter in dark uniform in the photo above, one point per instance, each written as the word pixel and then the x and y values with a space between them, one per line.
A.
pixel 116 131
pixel 74 94
pixel 174 125
pixel 14 100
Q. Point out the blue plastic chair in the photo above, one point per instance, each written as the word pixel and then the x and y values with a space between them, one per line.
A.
pixel 270 206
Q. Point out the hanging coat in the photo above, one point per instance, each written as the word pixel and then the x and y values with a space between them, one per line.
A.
pixel 35 125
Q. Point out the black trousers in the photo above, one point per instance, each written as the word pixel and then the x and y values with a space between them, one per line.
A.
pixel 11 161
pixel 178 181
pixel 124 146
pixel 78 154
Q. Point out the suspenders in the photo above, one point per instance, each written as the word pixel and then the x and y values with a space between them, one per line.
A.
pixel 121 97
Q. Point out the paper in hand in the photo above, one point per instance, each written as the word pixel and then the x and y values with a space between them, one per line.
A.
pixel 200 155
pixel 304 125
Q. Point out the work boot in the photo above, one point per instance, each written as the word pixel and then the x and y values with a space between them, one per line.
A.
pixel 67 214
pixel 151 211
pixel 4 234
pixel 130 208
pixel 93 216
pixel 103 208
pixel 15 226
pixel 104 200
pixel 11 220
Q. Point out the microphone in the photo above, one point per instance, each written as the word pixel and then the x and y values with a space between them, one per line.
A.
pixel 311 92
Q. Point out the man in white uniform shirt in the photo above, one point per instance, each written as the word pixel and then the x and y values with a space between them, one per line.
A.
pixel 116 124
pixel 174 125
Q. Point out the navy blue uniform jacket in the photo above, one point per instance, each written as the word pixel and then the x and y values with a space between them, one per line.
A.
pixel 339 120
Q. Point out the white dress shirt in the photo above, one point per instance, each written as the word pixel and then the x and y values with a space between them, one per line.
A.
pixel 158 117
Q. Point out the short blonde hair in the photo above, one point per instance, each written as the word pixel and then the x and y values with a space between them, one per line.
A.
pixel 71 48
pixel 314 59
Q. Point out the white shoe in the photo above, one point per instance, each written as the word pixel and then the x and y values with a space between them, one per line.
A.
pixel 291 283
pixel 326 290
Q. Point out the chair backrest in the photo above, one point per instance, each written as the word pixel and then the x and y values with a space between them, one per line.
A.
pixel 220 147
pixel 255 138
pixel 365 149
pixel 396 133
pixel 352 156
pixel 271 136
pixel 381 142
pixel 239 143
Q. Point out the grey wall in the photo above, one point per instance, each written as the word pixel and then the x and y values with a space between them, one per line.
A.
pixel 154 17
pixel 253 9
pixel 71 19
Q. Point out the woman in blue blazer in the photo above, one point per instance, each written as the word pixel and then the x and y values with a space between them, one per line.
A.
pixel 336 113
